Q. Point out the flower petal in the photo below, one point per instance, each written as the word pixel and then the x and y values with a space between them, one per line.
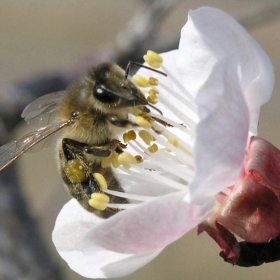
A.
pixel 71 224
pixel 148 227
pixel 252 212
pixel 263 163
pixel 231 77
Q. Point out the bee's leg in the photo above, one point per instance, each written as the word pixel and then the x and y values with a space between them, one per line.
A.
pixel 90 185
pixel 105 150
pixel 71 148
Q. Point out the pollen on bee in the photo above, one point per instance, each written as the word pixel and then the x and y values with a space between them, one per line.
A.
pixel 75 171
pixel 146 136
pixel 98 201
pixel 141 81
pixel 101 180
pixel 127 159
pixel 130 135
pixel 143 122
pixel 154 148
pixel 153 59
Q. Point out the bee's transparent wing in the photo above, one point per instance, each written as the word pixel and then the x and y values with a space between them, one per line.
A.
pixel 13 150
pixel 43 108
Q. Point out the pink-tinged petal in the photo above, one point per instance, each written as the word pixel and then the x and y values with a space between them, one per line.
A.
pixel 224 238
pixel 148 227
pixel 212 36
pixel 71 224
pixel 231 77
pixel 252 211
pixel 263 164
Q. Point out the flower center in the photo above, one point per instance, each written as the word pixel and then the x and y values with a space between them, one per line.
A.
pixel 159 155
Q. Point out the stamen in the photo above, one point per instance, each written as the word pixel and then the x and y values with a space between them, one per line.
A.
pixel 130 135
pixel 153 178
pixel 153 81
pixel 162 162
pixel 161 179
pixel 101 180
pixel 181 113
pixel 152 100
pixel 183 157
pixel 121 206
pixel 182 127
pixel 183 145
pixel 153 148
pixel 153 93
pixel 98 201
pixel 174 141
pixel 139 159
pixel 126 159
pixel 176 136
pixel 153 59
pixel 179 85
pixel 106 162
pixel 146 136
pixel 130 196
pixel 141 81
pixel 115 160
pixel 142 122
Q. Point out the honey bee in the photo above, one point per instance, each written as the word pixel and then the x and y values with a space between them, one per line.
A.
pixel 90 115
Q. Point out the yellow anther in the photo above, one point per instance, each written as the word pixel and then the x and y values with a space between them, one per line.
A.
pixel 152 100
pixel 130 135
pixel 139 159
pixel 151 62
pixel 153 81
pixel 101 180
pixel 127 159
pixel 153 148
pixel 98 201
pixel 153 93
pixel 174 141
pixel 75 171
pixel 142 122
pixel 155 56
pixel 146 136
pixel 106 162
pixel 153 59
pixel 135 111
pixel 125 137
pixel 141 81
pixel 114 158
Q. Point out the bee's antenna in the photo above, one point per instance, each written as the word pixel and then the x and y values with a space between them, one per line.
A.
pixel 130 63
pixel 155 108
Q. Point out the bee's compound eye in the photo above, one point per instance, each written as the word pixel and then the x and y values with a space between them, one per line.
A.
pixel 104 95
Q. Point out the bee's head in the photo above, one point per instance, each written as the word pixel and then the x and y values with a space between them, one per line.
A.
pixel 113 89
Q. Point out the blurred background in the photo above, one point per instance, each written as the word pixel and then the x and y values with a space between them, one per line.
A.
pixel 44 46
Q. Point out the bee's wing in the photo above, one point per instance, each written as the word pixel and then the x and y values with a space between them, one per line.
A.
pixel 13 150
pixel 43 108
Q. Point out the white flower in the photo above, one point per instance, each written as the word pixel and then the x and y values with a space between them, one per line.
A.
pixel 217 80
